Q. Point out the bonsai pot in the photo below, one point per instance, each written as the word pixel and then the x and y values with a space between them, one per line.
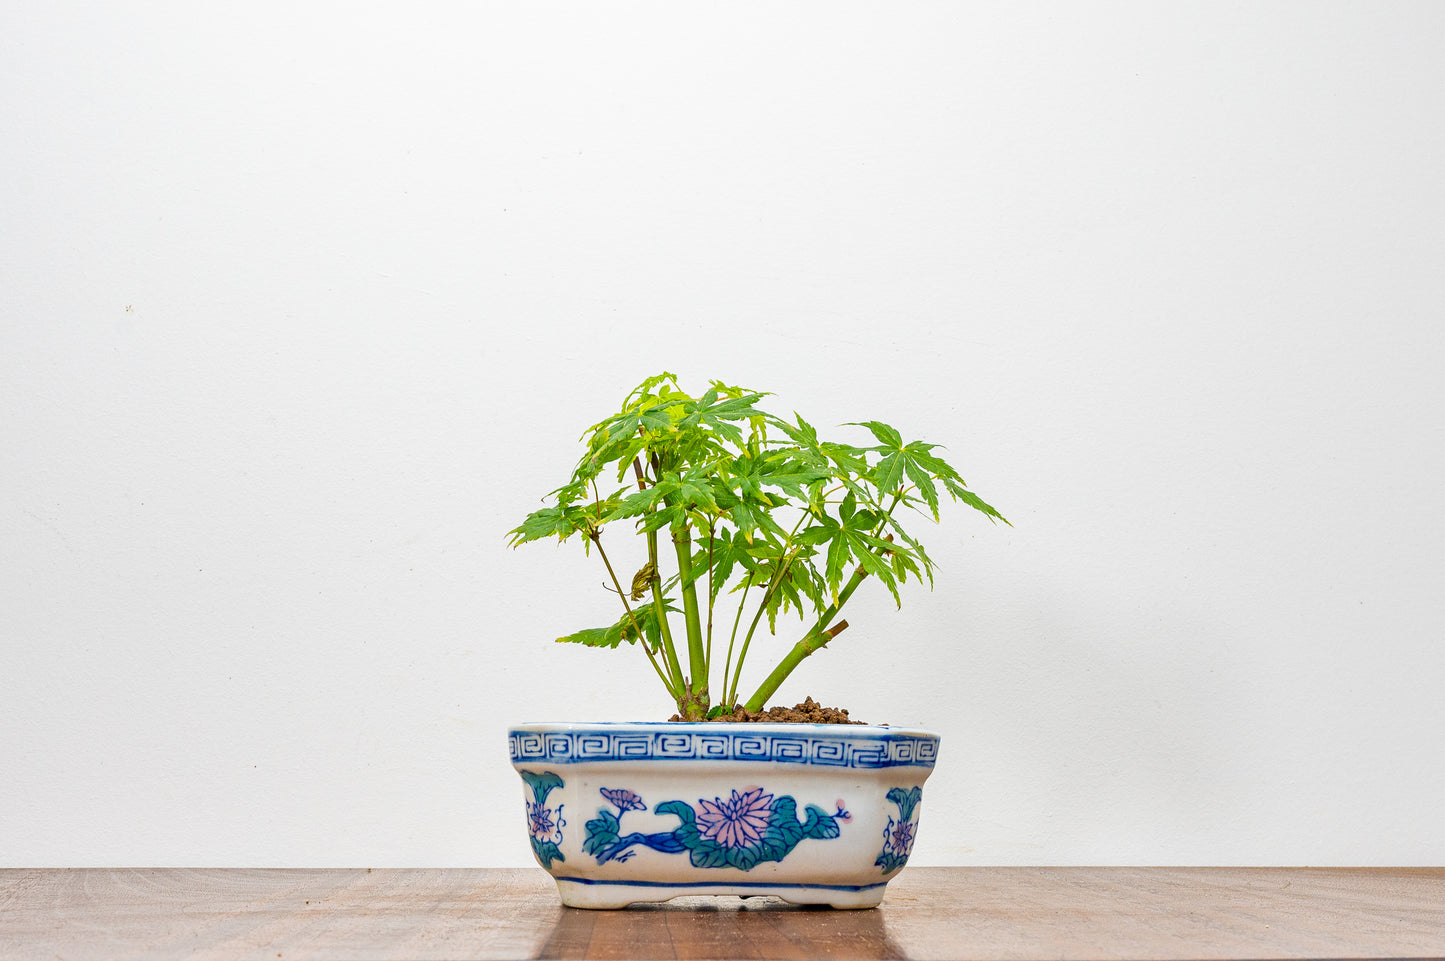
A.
pixel 620 813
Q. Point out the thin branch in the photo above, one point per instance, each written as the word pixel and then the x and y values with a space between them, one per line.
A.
pixel 641 635
pixel 711 531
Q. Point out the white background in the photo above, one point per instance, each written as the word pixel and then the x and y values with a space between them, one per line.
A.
pixel 304 305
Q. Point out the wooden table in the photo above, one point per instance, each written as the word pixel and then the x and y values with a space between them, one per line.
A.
pixel 929 913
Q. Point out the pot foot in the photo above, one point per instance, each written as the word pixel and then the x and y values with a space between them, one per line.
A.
pixel 592 894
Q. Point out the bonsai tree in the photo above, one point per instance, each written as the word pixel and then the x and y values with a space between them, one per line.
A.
pixel 764 519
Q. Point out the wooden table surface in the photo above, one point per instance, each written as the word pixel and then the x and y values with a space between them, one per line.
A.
pixel 952 913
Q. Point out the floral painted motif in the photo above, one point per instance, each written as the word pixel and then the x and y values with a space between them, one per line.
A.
pixel 736 823
pixel 540 820
pixel 544 823
pixel 750 827
pixel 624 799
pixel 898 835
pixel 899 841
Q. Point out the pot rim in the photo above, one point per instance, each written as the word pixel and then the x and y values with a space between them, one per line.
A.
pixel 837 747
pixel 755 727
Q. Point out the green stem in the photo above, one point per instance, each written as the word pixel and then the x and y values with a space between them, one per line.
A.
pixel 695 693
pixel 820 635
pixel 812 641
pixel 668 649
pixel 783 566
pixel 711 531
pixel 730 695
pixel 742 655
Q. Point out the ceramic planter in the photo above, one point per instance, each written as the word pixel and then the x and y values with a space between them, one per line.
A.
pixel 810 813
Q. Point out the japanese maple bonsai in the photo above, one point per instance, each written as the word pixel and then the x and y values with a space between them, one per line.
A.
pixel 766 520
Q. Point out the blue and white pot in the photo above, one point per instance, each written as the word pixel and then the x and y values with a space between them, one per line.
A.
pixel 810 813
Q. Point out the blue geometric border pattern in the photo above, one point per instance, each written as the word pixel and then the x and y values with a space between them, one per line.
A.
pixel 586 746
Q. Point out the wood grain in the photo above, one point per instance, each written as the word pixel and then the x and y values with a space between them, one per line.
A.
pixel 942 913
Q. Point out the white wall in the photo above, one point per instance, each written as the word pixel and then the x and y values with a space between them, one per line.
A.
pixel 304 306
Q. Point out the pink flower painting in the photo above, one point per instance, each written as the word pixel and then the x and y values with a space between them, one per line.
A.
pixel 540 821
pixel 901 839
pixel 624 799
pixel 737 822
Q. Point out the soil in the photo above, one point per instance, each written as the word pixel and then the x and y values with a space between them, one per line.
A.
pixel 808 712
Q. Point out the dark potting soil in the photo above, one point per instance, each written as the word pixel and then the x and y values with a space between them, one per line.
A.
pixel 808 712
